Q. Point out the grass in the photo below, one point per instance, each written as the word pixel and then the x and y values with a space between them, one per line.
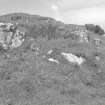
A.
pixel 29 79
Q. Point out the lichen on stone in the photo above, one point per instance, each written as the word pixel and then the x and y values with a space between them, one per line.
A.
pixel 10 38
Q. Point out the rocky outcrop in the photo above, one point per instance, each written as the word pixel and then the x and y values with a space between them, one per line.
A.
pixel 10 37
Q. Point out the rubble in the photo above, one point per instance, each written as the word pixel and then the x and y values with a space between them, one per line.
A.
pixel 72 58
pixel 53 60
pixel 10 37
pixel 54 56
pixel 82 34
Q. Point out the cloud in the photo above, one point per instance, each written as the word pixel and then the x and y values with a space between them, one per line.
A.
pixel 55 9
pixel 68 11
pixel 80 11
pixel 79 4
pixel 94 15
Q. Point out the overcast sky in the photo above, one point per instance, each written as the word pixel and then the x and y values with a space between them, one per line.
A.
pixel 69 11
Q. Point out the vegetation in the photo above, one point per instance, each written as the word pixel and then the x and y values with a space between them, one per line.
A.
pixel 95 28
pixel 26 76
pixel 16 18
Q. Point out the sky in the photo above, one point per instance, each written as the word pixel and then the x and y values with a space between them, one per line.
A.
pixel 68 11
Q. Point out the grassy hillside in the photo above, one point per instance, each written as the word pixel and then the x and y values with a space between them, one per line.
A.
pixel 41 26
pixel 28 77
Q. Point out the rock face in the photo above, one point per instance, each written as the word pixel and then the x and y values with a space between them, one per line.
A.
pixel 46 62
pixel 10 37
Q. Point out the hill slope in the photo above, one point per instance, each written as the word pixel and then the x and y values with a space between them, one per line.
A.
pixel 47 62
